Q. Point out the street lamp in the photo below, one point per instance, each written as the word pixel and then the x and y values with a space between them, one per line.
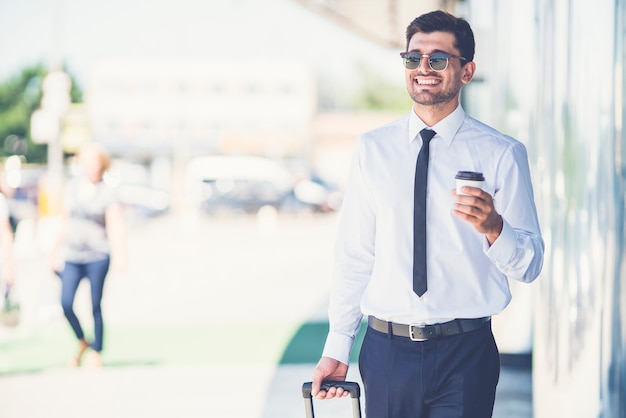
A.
pixel 46 129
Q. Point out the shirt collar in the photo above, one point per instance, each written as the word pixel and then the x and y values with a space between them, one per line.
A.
pixel 445 128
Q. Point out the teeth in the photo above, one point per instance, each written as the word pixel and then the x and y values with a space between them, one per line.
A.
pixel 427 81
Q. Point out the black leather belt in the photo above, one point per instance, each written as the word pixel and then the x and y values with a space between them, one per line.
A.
pixel 428 332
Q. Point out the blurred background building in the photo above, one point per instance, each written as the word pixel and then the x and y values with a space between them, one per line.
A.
pixel 157 107
pixel 284 79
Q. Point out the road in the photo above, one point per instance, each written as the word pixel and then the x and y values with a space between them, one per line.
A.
pixel 213 317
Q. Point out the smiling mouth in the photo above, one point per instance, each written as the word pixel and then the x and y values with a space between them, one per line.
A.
pixel 428 82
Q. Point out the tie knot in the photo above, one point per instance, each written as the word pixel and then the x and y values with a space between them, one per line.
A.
pixel 427 135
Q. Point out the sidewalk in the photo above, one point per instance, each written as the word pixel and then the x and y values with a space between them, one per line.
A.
pixel 214 318
pixel 228 391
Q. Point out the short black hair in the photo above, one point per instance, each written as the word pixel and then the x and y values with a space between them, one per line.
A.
pixel 440 21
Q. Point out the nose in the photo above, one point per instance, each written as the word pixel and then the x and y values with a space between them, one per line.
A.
pixel 424 61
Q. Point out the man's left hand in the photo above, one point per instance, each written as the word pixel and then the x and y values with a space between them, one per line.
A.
pixel 477 208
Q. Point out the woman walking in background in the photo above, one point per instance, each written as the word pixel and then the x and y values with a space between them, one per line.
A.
pixel 91 235
pixel 10 313
pixel 7 256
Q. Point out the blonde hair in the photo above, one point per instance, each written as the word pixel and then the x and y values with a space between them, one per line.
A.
pixel 100 151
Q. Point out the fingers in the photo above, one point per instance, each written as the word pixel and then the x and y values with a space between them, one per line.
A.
pixel 476 207
pixel 332 392
pixel 317 382
pixel 475 203
pixel 473 194
pixel 328 369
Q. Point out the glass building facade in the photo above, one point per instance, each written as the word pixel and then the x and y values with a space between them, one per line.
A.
pixel 554 76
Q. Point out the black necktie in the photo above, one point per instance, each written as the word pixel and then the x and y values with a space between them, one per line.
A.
pixel 419 215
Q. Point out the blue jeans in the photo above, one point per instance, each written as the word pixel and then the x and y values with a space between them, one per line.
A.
pixel 71 276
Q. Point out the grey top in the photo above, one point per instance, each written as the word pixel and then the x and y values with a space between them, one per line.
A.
pixel 86 237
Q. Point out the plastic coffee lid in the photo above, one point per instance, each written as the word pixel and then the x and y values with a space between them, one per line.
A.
pixel 470 175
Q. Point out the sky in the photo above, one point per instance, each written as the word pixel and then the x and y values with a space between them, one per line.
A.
pixel 81 32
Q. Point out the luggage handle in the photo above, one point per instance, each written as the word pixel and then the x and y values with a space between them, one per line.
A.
pixel 351 387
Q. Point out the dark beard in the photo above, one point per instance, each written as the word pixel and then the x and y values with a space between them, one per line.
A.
pixel 441 98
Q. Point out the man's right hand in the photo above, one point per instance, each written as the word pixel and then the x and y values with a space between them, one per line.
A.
pixel 328 369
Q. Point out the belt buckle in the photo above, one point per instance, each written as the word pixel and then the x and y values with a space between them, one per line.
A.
pixel 412 327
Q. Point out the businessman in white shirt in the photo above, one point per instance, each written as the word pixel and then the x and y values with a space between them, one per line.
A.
pixel 430 352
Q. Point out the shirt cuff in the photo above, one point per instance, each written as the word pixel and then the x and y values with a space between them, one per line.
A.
pixel 338 347
pixel 503 249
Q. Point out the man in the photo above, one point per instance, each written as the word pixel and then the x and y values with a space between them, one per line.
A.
pixel 429 350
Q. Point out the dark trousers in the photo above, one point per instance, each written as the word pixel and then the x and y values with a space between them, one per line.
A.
pixel 449 377
pixel 71 276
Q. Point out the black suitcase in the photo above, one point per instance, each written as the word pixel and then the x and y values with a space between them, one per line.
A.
pixel 352 387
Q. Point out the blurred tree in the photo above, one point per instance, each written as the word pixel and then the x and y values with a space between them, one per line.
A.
pixel 20 96
pixel 378 94
pixel 368 90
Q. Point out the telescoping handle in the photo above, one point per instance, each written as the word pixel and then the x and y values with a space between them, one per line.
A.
pixel 352 387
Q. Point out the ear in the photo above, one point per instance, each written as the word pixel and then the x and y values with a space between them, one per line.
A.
pixel 468 72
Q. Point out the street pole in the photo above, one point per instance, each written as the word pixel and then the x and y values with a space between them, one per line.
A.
pixel 46 128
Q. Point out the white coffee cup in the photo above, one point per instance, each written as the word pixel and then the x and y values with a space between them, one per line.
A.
pixel 468 178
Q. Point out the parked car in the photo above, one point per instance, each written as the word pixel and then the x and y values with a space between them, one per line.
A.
pixel 134 189
pixel 22 191
pixel 247 183
pixel 318 194
pixel 244 183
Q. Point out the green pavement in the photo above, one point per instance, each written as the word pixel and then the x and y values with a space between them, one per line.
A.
pixel 51 347
pixel 307 343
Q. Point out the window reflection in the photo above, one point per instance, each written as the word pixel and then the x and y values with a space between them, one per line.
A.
pixel 559 87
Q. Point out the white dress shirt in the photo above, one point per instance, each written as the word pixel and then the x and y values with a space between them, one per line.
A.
pixel 467 278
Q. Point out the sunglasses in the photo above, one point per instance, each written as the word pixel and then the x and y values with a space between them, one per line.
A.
pixel 437 61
